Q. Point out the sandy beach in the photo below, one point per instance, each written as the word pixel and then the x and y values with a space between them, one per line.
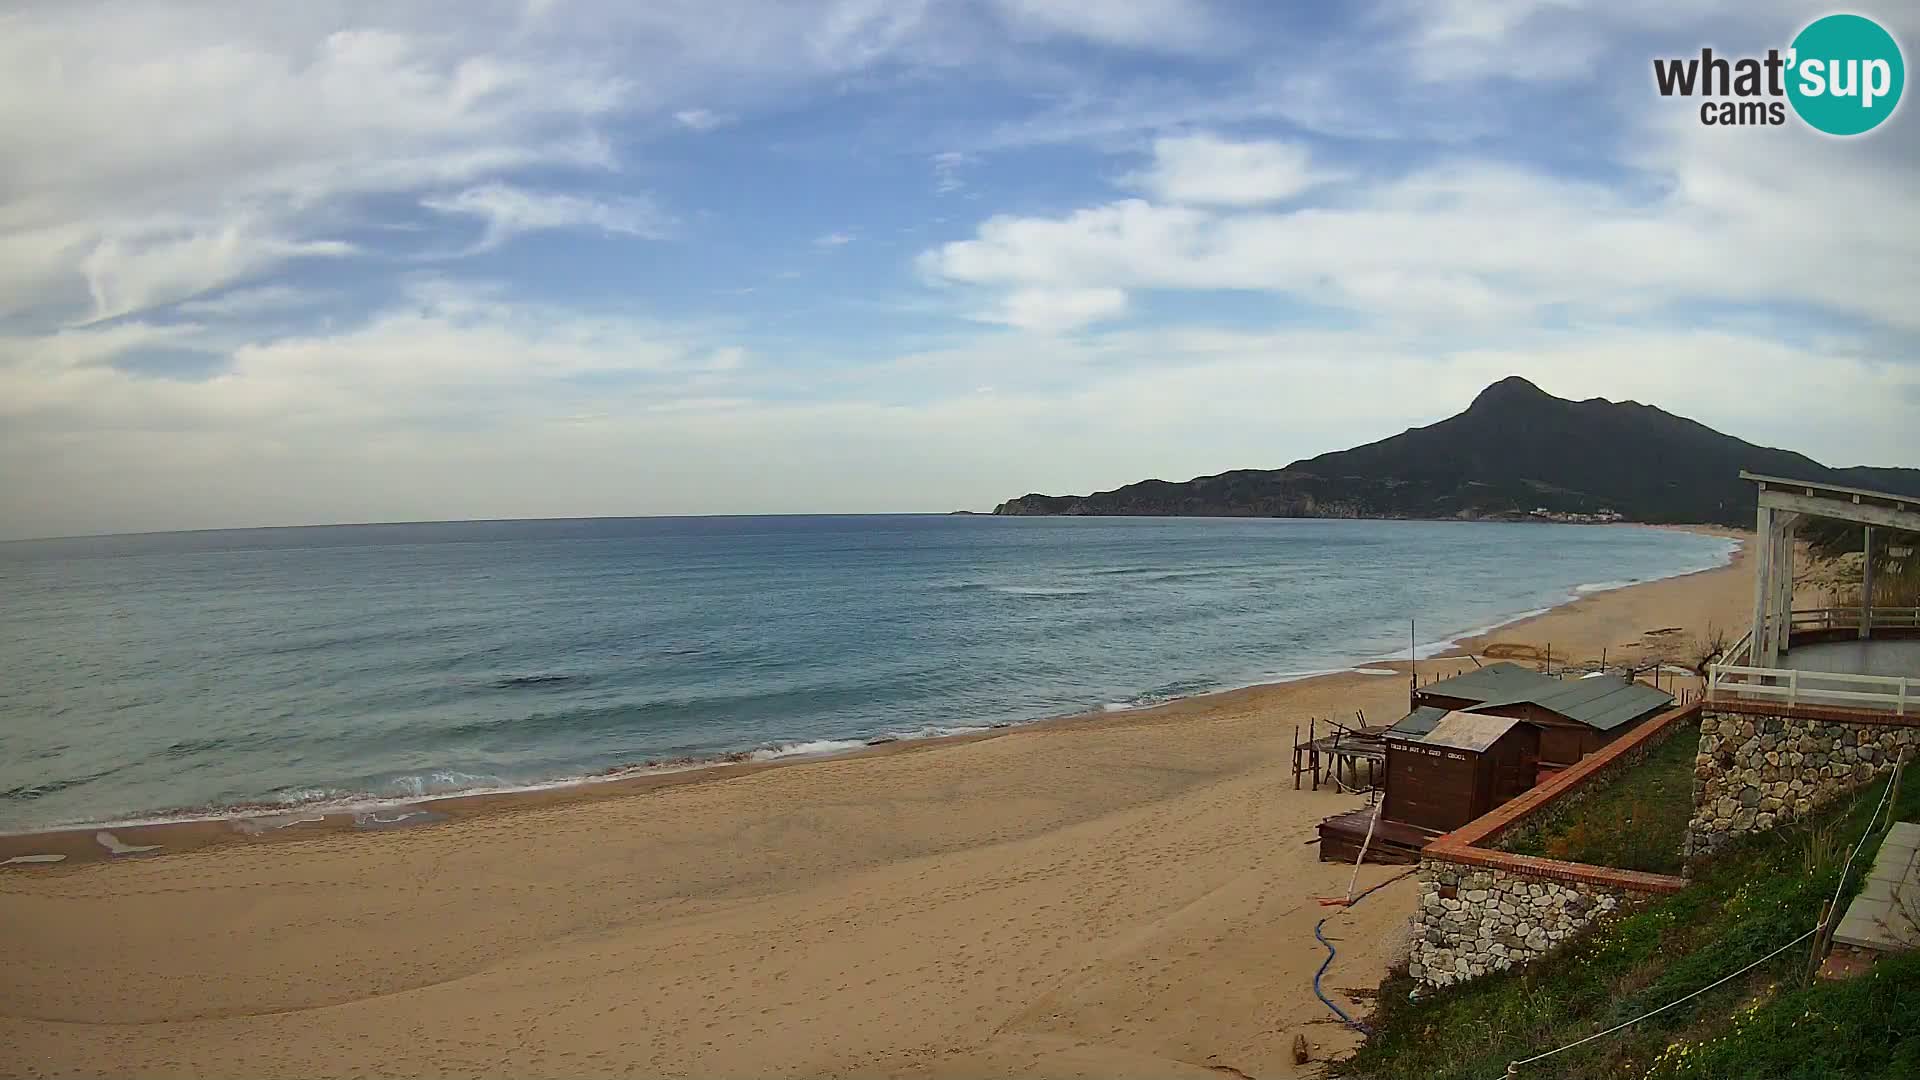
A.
pixel 1122 895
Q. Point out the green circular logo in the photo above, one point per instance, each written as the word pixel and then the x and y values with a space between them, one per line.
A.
pixel 1845 74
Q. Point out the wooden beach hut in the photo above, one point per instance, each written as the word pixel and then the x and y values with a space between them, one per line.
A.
pixel 1476 740
pixel 1466 765
pixel 1575 717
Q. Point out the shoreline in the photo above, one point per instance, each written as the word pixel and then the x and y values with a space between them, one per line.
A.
pixel 1128 894
pixel 165 833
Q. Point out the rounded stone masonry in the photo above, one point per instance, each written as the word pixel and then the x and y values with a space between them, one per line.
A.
pixel 1756 772
pixel 1472 921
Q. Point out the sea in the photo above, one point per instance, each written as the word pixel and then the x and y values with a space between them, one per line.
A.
pixel 181 675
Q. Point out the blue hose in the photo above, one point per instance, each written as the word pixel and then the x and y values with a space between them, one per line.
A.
pixel 1328 962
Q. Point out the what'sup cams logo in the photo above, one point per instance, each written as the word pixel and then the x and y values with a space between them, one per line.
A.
pixel 1843 75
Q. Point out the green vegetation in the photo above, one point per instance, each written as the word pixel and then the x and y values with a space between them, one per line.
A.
pixel 1759 894
pixel 1862 1027
pixel 1635 822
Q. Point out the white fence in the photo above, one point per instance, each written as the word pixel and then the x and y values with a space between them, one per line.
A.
pixel 1848 618
pixel 1733 677
pixel 1878 692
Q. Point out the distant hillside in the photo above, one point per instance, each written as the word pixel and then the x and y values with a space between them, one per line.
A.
pixel 1515 449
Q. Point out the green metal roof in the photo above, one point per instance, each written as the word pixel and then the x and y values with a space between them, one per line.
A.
pixel 1602 702
pixel 1493 682
pixel 1417 723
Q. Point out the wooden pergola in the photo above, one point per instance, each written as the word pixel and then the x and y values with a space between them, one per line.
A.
pixel 1784 504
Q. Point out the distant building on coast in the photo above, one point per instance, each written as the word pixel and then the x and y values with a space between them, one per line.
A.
pixel 1598 517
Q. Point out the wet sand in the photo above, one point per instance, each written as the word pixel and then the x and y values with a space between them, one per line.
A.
pixel 1123 895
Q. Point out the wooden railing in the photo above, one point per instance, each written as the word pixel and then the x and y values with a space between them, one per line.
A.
pixel 1733 676
pixel 1877 692
pixel 1843 618
pixel 1740 651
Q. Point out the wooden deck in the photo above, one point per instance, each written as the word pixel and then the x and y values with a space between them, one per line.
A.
pixel 1393 842
pixel 1339 755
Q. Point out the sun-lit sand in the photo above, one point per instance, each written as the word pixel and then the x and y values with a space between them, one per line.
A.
pixel 1124 895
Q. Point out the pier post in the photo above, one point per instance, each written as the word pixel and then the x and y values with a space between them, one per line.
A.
pixel 1296 757
pixel 1313 750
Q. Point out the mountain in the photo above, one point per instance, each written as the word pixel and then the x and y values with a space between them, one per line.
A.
pixel 1517 448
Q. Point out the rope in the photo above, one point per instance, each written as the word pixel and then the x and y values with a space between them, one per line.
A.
pixel 1621 1027
pixel 1513 1067
pixel 1328 962
pixel 1885 794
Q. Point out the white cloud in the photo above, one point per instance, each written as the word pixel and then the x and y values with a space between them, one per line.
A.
pixel 1159 25
pixel 243 303
pixel 143 269
pixel 508 211
pixel 1476 240
pixel 448 349
pixel 1051 310
pixel 946 171
pixel 1206 169
pixel 166 154
pixel 392 420
pixel 702 119
pixel 179 149
pixel 730 358
pixel 228 137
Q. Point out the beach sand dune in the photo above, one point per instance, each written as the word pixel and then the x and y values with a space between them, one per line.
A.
pixel 1128 895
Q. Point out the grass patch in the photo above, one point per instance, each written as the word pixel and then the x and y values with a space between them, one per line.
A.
pixel 1635 821
pixel 1862 1027
pixel 1756 895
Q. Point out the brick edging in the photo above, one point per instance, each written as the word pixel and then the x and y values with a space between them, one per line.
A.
pixel 1462 845
pixel 1554 869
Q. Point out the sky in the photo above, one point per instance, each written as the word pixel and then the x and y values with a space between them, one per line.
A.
pixel 267 264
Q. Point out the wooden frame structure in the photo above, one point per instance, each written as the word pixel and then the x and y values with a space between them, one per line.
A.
pixel 1342 750
pixel 1783 503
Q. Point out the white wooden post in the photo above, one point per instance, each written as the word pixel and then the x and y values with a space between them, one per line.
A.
pixel 1866 586
pixel 1782 638
pixel 1762 584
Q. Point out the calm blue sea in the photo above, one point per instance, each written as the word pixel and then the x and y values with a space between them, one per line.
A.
pixel 151 675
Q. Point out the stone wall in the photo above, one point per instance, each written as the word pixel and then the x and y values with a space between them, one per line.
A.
pixel 1761 766
pixel 1483 910
pixel 1475 920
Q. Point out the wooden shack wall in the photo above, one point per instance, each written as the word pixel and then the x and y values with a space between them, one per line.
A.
pixel 1431 787
pixel 1561 741
pixel 1510 764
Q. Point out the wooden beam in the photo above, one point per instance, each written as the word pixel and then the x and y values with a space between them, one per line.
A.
pixel 1891 517
pixel 1810 485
